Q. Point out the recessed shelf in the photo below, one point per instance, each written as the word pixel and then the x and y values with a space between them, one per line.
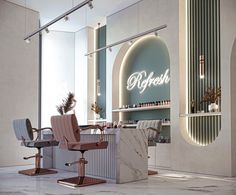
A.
pixel 166 124
pixel 134 125
pixel 142 108
pixel 97 120
pixel 201 114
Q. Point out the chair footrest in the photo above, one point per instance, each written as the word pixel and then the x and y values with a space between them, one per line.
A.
pixel 150 172
pixel 80 181
pixel 39 171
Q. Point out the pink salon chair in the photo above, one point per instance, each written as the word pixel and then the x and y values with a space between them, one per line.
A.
pixel 24 132
pixel 67 132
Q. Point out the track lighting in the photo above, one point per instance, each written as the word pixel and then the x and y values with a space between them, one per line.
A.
pixel 110 49
pixel 155 33
pixel 130 39
pixel 65 16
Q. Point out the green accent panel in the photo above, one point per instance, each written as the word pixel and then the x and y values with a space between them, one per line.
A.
pixel 101 68
pixel 204 39
pixel 150 55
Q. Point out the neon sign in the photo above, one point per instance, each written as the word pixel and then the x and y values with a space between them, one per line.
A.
pixel 142 80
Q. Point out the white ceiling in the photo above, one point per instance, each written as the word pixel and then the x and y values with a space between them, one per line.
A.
pixel 50 9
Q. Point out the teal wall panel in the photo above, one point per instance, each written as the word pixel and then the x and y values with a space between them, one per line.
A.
pixel 150 55
pixel 101 68
pixel 204 40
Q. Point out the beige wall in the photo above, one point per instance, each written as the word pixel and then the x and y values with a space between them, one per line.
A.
pixel 19 68
pixel 228 72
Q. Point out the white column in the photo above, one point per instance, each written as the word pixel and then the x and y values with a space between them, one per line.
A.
pixel 84 74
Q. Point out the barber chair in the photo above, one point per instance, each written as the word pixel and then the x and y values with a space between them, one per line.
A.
pixel 24 132
pixel 152 129
pixel 67 132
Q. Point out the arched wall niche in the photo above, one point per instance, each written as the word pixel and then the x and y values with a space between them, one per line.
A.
pixel 123 64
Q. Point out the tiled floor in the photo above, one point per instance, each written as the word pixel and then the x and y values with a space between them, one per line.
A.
pixel 165 183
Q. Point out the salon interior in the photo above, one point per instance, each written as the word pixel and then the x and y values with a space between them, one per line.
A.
pixel 117 97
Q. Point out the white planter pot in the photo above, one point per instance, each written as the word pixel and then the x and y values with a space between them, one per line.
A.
pixel 97 116
pixel 213 107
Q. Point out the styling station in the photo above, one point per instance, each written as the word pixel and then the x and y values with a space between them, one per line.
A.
pixel 135 97
pixel 119 163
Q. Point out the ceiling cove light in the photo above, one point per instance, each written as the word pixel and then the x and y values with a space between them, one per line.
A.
pixel 129 39
pixel 65 15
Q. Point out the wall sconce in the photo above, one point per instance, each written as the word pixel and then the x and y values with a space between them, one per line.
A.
pixel 201 66
pixel 98 87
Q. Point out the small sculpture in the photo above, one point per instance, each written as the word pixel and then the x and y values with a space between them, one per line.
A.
pixel 212 95
pixel 97 109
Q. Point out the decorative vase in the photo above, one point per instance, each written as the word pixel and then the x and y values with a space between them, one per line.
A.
pixel 97 115
pixel 213 107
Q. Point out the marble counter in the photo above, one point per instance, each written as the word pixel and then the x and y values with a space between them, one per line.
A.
pixel 125 159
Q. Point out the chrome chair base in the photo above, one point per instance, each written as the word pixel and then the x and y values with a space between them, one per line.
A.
pixel 80 181
pixel 37 171
pixel 152 172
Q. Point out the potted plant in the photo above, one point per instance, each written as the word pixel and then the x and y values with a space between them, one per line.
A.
pixel 212 95
pixel 97 109
pixel 67 105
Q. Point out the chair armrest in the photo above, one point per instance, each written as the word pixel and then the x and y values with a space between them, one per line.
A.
pixel 41 129
pixel 154 129
pixel 23 141
pixel 38 131
pixel 86 127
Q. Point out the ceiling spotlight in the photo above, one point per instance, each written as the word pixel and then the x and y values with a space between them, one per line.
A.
pixel 130 42
pixel 110 49
pixel 155 33
pixel 66 18
pixel 90 56
pixel 27 40
pixel 46 30
pixel 90 5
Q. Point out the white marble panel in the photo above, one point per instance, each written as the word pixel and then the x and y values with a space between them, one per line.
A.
pixel 132 158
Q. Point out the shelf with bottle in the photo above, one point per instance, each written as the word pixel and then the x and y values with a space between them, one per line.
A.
pixel 98 120
pixel 200 114
pixel 164 104
pixel 133 124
